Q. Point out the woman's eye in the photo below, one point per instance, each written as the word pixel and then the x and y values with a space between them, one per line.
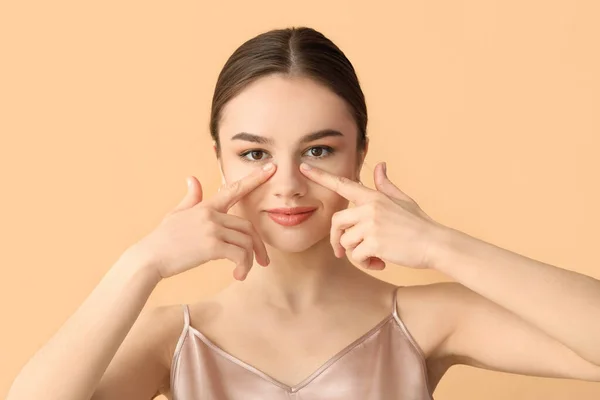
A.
pixel 319 151
pixel 253 155
pixel 261 155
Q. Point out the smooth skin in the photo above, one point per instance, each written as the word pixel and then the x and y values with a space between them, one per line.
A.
pixel 495 316
pixel 505 312
pixel 73 364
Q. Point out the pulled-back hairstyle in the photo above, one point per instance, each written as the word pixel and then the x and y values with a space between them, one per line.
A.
pixel 297 52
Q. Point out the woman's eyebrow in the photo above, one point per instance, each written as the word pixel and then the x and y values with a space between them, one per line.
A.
pixel 319 135
pixel 250 137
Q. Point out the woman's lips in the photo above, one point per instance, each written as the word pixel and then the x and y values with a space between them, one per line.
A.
pixel 290 216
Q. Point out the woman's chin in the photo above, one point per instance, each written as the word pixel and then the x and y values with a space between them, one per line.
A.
pixel 293 241
pixel 295 244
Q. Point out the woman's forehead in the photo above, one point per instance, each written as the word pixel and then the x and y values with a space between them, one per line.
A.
pixel 291 107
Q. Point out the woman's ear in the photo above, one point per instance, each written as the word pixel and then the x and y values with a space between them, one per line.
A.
pixel 221 171
pixel 362 155
pixel 219 162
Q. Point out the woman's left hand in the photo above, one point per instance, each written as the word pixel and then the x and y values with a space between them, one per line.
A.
pixel 385 225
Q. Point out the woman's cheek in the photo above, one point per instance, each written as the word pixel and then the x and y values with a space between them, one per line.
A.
pixel 342 165
pixel 248 206
pixel 332 202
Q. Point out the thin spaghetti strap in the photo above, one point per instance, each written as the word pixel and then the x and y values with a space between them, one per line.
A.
pixel 179 345
pixel 186 316
pixel 395 302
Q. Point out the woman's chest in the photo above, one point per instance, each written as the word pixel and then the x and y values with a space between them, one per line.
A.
pixel 289 355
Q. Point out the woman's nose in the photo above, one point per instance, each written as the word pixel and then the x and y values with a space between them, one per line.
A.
pixel 288 181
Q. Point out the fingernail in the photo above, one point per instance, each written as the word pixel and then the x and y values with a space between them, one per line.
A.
pixel 305 166
pixel 385 168
pixel 268 166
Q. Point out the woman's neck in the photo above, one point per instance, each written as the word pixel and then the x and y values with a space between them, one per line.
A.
pixel 296 281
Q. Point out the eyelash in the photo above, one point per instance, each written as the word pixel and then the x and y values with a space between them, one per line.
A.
pixel 328 149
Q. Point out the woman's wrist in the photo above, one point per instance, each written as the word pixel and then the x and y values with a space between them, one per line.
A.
pixel 142 263
pixel 442 244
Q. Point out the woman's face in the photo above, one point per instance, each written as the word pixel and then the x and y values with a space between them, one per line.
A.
pixel 288 121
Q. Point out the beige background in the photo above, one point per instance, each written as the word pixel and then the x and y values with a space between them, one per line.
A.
pixel 487 113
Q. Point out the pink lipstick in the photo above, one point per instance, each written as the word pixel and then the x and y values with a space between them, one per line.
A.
pixel 290 216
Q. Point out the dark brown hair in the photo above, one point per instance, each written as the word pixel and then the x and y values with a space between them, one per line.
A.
pixel 297 51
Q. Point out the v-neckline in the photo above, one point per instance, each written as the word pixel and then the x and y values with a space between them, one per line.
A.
pixel 332 360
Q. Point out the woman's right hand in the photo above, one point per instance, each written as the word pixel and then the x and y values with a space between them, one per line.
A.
pixel 197 231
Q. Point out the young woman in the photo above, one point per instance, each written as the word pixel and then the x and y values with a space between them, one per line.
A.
pixel 305 323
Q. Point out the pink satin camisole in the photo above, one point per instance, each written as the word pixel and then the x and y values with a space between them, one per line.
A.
pixel 385 363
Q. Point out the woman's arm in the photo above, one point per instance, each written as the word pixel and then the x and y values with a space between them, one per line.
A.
pixel 563 304
pixel 71 364
pixel 505 312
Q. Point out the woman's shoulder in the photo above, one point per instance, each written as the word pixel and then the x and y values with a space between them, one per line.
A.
pixel 147 346
pixel 168 323
pixel 426 310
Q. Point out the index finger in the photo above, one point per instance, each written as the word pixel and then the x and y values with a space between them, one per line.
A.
pixel 232 193
pixel 351 190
